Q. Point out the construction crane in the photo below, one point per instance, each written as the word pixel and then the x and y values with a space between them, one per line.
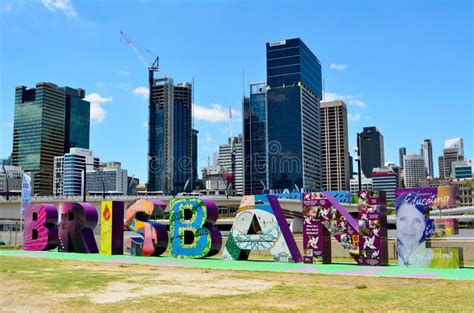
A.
pixel 151 69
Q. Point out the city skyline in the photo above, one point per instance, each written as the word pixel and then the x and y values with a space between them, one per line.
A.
pixel 117 90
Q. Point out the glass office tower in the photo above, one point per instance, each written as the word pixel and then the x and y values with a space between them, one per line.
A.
pixel 170 136
pixel 38 133
pixel 294 90
pixel 371 150
pixel 77 122
pixel 255 140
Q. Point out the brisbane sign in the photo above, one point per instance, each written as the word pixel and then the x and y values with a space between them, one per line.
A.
pixel 260 224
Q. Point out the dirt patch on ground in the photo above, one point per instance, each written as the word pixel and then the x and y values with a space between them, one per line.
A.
pixel 189 282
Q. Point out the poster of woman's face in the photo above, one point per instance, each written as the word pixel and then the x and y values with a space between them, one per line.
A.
pixel 411 225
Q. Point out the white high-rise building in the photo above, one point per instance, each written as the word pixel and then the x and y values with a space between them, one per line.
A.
pixel 111 179
pixel 68 171
pixel 367 183
pixel 455 143
pixel 225 160
pixel 413 170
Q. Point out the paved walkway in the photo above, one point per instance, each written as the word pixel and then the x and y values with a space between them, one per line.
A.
pixel 466 273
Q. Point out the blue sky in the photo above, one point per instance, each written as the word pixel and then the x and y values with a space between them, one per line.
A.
pixel 405 67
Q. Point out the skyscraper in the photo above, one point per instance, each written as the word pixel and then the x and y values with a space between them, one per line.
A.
pixel 413 170
pixel 455 143
pixel 255 139
pixel 335 146
pixel 371 150
pixel 224 160
pixel 446 160
pixel 401 153
pixel 294 90
pixel 427 153
pixel 170 135
pixel 38 132
pixel 46 118
pixel 77 119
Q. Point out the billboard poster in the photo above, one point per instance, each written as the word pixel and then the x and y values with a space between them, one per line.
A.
pixel 415 228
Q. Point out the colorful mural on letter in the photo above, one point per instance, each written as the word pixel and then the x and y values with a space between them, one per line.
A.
pixel 365 240
pixel 111 227
pixel 192 230
pixel 153 239
pixel 78 221
pixel 41 231
pixel 415 228
pixel 261 225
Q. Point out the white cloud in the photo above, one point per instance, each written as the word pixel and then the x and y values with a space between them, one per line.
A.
pixel 8 125
pixel 354 117
pixel 214 113
pixel 124 73
pixel 7 6
pixel 97 111
pixel 338 67
pixel 62 5
pixel 141 91
pixel 351 100
pixel 145 124
pixel 123 86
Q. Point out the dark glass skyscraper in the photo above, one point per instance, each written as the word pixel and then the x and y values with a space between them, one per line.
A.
pixel 371 150
pixel 77 119
pixel 48 122
pixel 294 90
pixel 170 135
pixel 38 133
pixel 255 140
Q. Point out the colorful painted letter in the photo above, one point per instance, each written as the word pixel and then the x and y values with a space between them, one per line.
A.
pixel 41 230
pixel 154 237
pixel 366 240
pixel 78 221
pixel 414 228
pixel 261 225
pixel 192 230
pixel 111 227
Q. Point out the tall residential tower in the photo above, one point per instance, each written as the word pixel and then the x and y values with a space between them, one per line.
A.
pixel 335 146
pixel 427 153
pixel 170 136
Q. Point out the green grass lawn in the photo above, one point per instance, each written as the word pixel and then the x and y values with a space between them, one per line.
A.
pixel 33 284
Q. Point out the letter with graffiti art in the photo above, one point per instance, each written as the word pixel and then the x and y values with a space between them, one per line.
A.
pixel 41 231
pixel 261 225
pixel 192 230
pixel 78 221
pixel 153 239
pixel 365 239
pixel 111 227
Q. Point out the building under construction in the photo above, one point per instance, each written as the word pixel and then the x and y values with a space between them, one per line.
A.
pixel 170 136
